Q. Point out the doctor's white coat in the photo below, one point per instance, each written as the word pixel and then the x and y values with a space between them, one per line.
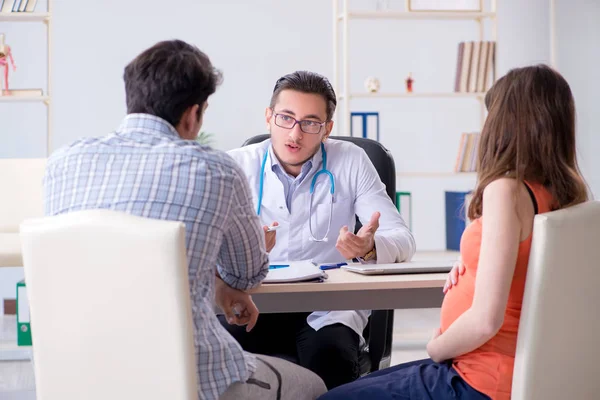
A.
pixel 358 191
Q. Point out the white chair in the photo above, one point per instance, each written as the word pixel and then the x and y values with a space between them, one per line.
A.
pixel 557 347
pixel 22 197
pixel 110 307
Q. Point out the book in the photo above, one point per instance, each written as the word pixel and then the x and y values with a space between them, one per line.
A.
pixel 459 61
pixel 474 67
pixel 7 6
pixel 456 220
pixel 23 320
pixel 30 5
pixel 491 62
pixel 463 85
pixel 468 152
pixel 364 124
pixel 481 72
pixel 475 62
pixel 404 205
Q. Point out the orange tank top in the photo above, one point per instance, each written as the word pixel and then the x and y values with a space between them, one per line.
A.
pixel 489 369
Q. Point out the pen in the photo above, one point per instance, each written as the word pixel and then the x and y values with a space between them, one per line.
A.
pixel 278 266
pixel 325 267
pixel 272 228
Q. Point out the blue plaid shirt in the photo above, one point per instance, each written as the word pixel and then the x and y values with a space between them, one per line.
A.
pixel 146 169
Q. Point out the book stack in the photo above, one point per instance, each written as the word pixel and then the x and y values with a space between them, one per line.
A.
pixel 7 6
pixel 466 161
pixel 474 63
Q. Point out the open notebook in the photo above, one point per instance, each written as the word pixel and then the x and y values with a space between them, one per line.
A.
pixel 294 271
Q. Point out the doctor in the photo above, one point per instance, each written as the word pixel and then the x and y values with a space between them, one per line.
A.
pixel 312 187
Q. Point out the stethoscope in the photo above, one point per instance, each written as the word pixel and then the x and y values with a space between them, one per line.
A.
pixel 312 190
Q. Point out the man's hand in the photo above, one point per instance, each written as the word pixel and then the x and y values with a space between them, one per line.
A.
pixel 270 237
pixel 452 279
pixel 238 307
pixel 352 246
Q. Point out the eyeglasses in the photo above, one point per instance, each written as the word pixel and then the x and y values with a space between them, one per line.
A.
pixel 307 126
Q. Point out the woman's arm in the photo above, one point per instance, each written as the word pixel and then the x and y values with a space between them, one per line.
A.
pixel 497 260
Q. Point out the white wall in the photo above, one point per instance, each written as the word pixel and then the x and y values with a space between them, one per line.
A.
pixel 253 43
pixel 577 58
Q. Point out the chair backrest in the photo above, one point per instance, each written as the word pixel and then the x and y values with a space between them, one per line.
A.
pixel 22 191
pixel 557 345
pixel 110 307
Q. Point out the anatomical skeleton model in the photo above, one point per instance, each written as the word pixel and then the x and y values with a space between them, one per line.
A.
pixel 5 57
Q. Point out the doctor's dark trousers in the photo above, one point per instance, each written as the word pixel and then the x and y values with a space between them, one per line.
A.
pixel 331 352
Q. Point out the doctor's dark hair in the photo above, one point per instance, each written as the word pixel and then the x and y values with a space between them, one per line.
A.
pixel 168 78
pixel 529 135
pixel 307 82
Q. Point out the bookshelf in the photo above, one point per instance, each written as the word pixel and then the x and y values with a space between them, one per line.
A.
pixel 24 16
pixel 440 174
pixel 392 95
pixel 44 17
pixel 342 17
pixel 415 15
pixel 23 99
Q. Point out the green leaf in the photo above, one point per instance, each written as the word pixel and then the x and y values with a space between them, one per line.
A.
pixel 205 138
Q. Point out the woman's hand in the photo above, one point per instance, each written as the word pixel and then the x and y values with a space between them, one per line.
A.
pixel 452 279
pixel 431 345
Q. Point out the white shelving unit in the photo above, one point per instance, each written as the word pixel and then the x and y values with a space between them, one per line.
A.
pixel 21 99
pixel 417 15
pixel 441 174
pixel 341 80
pixel 392 95
pixel 9 350
pixel 45 18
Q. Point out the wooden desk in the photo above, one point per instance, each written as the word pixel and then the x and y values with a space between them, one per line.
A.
pixel 345 290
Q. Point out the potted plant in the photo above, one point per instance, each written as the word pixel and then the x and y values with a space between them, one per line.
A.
pixel 205 138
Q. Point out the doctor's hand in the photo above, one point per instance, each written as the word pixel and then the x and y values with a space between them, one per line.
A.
pixel 270 237
pixel 238 307
pixel 353 246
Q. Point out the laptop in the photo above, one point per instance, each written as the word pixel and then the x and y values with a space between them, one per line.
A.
pixel 411 267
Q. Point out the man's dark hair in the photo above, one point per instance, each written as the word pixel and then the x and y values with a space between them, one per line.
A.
pixel 307 82
pixel 168 78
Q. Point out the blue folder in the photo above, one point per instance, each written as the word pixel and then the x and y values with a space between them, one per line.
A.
pixel 455 219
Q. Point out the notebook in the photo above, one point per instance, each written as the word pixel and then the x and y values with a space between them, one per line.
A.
pixel 294 271
pixel 411 267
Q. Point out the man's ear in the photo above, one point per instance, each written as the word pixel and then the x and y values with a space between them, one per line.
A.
pixel 189 122
pixel 193 115
pixel 268 116
pixel 328 129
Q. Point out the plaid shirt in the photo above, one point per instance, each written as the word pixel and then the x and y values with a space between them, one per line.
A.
pixel 146 169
